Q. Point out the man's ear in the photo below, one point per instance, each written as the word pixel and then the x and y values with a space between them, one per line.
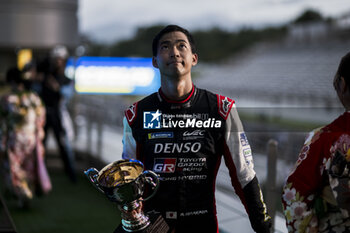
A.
pixel 194 59
pixel 343 88
pixel 154 62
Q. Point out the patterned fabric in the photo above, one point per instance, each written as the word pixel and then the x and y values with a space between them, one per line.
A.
pixel 316 196
pixel 21 148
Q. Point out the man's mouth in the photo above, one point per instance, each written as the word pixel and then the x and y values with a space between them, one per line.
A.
pixel 175 62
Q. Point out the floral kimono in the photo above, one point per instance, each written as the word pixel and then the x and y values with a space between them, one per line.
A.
pixel 316 196
pixel 21 148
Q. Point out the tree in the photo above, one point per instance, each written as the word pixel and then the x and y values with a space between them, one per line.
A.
pixel 308 16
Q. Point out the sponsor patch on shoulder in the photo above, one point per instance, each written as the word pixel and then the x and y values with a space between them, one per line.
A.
pixel 160 135
pixel 130 113
pixel 224 105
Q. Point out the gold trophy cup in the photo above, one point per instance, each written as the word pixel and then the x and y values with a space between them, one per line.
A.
pixel 124 182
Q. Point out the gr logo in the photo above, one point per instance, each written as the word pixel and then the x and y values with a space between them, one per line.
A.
pixel 164 165
pixel 151 120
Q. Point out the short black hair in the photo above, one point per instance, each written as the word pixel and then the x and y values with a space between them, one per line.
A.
pixel 343 71
pixel 168 29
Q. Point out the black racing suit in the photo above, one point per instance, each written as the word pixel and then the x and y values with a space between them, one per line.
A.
pixel 184 142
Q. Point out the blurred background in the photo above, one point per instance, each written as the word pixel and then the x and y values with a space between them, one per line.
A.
pixel 276 58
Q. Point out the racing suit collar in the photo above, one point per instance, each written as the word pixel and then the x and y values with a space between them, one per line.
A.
pixel 186 103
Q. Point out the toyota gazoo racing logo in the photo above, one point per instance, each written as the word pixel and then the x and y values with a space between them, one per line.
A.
pixel 157 120
pixel 164 165
pixel 152 120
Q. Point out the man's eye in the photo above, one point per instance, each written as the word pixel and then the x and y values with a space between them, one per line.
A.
pixel 183 46
pixel 163 47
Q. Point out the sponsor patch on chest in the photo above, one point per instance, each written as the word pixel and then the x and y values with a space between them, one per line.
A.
pixel 164 165
pixel 160 135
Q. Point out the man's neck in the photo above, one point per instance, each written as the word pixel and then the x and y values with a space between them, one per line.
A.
pixel 177 90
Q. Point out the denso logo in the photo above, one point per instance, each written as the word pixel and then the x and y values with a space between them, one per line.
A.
pixel 169 148
pixel 164 165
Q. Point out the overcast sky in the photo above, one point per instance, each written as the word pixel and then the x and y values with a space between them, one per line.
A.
pixel 108 20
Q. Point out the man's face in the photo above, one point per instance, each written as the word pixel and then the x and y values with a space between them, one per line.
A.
pixel 343 91
pixel 174 55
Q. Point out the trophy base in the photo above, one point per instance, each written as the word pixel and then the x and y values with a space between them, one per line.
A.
pixel 158 225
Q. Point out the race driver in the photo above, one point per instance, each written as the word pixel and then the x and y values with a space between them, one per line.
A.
pixel 181 133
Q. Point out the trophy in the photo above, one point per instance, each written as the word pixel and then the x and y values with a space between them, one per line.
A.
pixel 124 182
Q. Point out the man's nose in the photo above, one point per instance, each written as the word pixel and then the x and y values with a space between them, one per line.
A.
pixel 174 52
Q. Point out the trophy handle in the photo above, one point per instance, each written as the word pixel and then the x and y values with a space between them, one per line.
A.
pixel 152 179
pixel 92 175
